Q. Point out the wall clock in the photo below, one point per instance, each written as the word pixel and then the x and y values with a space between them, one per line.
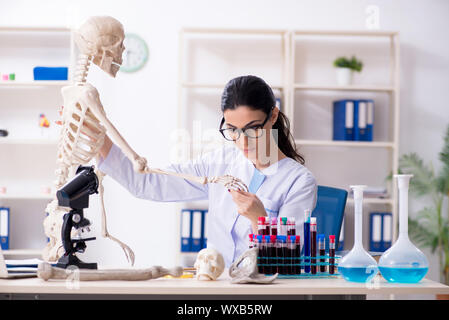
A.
pixel 136 53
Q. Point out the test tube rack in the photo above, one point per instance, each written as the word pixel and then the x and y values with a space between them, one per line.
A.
pixel 286 269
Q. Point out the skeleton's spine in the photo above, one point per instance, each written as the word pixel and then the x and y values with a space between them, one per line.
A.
pixel 81 69
pixel 63 163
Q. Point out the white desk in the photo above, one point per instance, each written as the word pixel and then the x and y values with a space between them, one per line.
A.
pixel 222 288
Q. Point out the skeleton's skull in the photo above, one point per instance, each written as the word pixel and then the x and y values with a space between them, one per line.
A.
pixel 102 38
pixel 209 264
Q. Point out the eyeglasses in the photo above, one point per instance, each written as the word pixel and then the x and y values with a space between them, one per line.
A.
pixel 254 132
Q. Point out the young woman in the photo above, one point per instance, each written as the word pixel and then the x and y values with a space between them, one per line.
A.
pixel 263 156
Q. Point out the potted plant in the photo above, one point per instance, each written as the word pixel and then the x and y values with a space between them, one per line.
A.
pixel 345 68
pixel 430 228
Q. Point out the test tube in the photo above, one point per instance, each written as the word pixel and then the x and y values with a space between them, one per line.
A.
pixel 297 269
pixel 313 244
pixel 291 229
pixel 281 254
pixel 273 254
pixel 268 262
pixel 291 251
pixel 332 254
pixel 261 226
pixel 322 251
pixel 274 226
pixel 267 226
pixel 251 240
pixel 260 254
pixel 283 226
pixel 307 240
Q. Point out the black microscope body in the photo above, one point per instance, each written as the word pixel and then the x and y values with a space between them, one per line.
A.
pixel 75 195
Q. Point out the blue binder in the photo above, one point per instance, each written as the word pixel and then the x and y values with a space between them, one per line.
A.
pixel 186 230
pixel 193 237
pixel 363 118
pixel 196 230
pixel 380 231
pixel 369 120
pixel 203 229
pixel 4 228
pixel 344 120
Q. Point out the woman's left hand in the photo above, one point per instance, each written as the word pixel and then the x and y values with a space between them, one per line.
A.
pixel 249 206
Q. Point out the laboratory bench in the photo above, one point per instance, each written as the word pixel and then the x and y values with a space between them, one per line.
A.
pixel 192 289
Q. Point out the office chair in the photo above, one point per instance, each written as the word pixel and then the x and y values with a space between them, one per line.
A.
pixel 329 211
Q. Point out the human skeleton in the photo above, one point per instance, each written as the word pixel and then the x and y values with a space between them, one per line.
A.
pixel 84 126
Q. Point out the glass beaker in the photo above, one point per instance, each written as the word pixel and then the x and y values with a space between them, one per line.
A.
pixel 358 265
pixel 403 262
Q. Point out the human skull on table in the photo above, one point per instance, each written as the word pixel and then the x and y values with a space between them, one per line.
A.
pixel 209 264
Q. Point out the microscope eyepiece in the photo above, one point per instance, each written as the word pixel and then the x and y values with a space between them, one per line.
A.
pixel 75 193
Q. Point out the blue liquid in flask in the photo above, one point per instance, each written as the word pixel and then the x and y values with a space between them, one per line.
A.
pixel 358 274
pixel 403 262
pixel 403 275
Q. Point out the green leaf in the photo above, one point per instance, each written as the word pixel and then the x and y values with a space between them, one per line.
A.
pixel 443 177
pixel 428 218
pixel 422 236
pixel 353 63
pixel 423 181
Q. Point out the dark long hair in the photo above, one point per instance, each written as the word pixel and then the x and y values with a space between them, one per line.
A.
pixel 255 93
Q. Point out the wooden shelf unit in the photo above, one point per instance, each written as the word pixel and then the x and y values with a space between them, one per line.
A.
pixel 289 85
pixel 36 36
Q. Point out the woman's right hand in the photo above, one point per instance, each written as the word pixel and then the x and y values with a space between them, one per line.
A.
pixel 107 144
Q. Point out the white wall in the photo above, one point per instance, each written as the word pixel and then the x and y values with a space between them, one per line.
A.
pixel 145 110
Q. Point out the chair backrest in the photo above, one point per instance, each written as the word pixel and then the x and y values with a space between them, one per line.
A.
pixel 329 211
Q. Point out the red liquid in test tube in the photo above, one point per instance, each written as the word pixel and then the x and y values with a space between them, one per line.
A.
pixel 261 226
pixel 274 226
pixel 297 269
pixel 332 254
pixel 291 226
pixel 251 240
pixel 313 245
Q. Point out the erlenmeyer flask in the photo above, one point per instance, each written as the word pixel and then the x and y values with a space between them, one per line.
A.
pixel 358 265
pixel 403 262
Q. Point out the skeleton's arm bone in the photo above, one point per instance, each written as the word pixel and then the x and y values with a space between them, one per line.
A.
pixel 92 99
pixel 155 187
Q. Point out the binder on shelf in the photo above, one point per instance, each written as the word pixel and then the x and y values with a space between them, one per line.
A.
pixel 353 120
pixel 4 228
pixel 359 119
pixel 387 230
pixel 204 230
pixel 380 231
pixel 343 122
pixel 196 230
pixel 369 120
pixel 186 228
pixel 363 118
pixel 193 235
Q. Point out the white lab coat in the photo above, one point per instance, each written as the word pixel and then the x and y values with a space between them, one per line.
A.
pixel 288 188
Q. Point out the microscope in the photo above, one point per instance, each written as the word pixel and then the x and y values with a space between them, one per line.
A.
pixel 75 195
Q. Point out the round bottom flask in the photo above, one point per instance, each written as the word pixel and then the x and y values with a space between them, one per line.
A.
pixel 358 265
pixel 403 262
